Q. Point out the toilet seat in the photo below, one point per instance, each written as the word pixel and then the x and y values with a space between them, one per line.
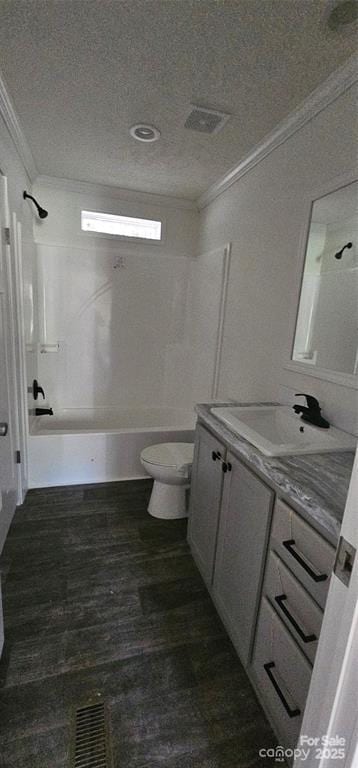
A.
pixel 175 455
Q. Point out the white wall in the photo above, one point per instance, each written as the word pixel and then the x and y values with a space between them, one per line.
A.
pixel 262 215
pixel 119 310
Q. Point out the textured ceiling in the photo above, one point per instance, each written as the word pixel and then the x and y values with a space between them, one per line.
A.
pixel 81 72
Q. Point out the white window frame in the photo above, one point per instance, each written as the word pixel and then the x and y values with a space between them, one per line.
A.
pixel 123 238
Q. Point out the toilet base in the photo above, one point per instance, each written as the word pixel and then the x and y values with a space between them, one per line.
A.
pixel 168 502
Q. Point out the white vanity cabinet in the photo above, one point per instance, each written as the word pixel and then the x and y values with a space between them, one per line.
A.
pixel 268 572
pixel 229 523
pixel 205 500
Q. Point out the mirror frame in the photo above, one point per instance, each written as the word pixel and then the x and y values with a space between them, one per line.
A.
pixel 344 379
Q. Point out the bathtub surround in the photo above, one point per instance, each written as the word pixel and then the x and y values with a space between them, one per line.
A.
pixel 112 326
pixel 119 319
pixel 100 598
pixel 114 315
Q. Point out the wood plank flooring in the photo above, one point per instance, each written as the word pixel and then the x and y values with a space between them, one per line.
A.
pixel 101 600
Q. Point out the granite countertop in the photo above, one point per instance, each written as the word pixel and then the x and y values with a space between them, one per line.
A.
pixel 316 484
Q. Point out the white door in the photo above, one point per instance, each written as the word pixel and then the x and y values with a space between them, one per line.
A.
pixel 8 467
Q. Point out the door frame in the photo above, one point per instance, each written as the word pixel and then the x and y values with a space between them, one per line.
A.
pixel 16 360
pixel 19 322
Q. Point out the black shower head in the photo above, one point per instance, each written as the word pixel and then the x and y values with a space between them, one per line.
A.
pixel 41 211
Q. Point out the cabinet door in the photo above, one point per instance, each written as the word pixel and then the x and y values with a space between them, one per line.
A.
pixel 241 550
pixel 205 498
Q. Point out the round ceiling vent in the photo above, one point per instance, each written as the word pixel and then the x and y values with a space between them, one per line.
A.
pixel 143 132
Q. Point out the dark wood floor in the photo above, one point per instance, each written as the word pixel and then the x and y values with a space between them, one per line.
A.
pixel 102 600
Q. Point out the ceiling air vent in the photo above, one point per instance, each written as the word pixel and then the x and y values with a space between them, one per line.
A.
pixel 206 120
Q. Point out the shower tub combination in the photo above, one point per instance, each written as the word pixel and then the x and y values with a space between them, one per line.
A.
pixel 102 444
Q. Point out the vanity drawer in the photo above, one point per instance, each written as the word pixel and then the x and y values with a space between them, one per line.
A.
pixel 298 611
pixel 282 675
pixel 306 553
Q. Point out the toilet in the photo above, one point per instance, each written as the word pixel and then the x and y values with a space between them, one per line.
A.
pixel 170 466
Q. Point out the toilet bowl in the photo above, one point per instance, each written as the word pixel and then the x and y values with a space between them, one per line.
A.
pixel 170 466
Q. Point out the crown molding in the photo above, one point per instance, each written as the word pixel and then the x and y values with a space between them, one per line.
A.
pixel 16 132
pixel 336 84
pixel 127 195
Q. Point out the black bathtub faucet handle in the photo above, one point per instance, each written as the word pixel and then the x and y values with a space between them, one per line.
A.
pixel 37 390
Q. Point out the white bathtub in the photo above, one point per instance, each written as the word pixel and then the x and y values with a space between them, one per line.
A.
pixel 101 444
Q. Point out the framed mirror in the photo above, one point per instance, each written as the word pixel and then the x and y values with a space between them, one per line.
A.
pixel 326 333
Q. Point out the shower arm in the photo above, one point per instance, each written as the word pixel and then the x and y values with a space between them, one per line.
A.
pixel 41 211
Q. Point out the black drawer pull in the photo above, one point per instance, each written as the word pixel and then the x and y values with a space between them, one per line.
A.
pixel 216 455
pixel 289 544
pixel 291 712
pixel 280 602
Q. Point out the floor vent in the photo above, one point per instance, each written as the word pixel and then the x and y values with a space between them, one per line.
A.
pixel 91 737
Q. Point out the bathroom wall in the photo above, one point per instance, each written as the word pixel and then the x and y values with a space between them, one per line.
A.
pixel 115 321
pixel 262 214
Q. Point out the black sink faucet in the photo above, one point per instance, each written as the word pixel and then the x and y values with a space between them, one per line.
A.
pixel 312 412
pixel 43 412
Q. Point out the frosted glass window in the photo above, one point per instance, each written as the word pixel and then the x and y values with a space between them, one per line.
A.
pixel 124 226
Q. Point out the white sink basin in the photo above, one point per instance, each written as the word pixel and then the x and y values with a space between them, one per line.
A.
pixel 277 431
